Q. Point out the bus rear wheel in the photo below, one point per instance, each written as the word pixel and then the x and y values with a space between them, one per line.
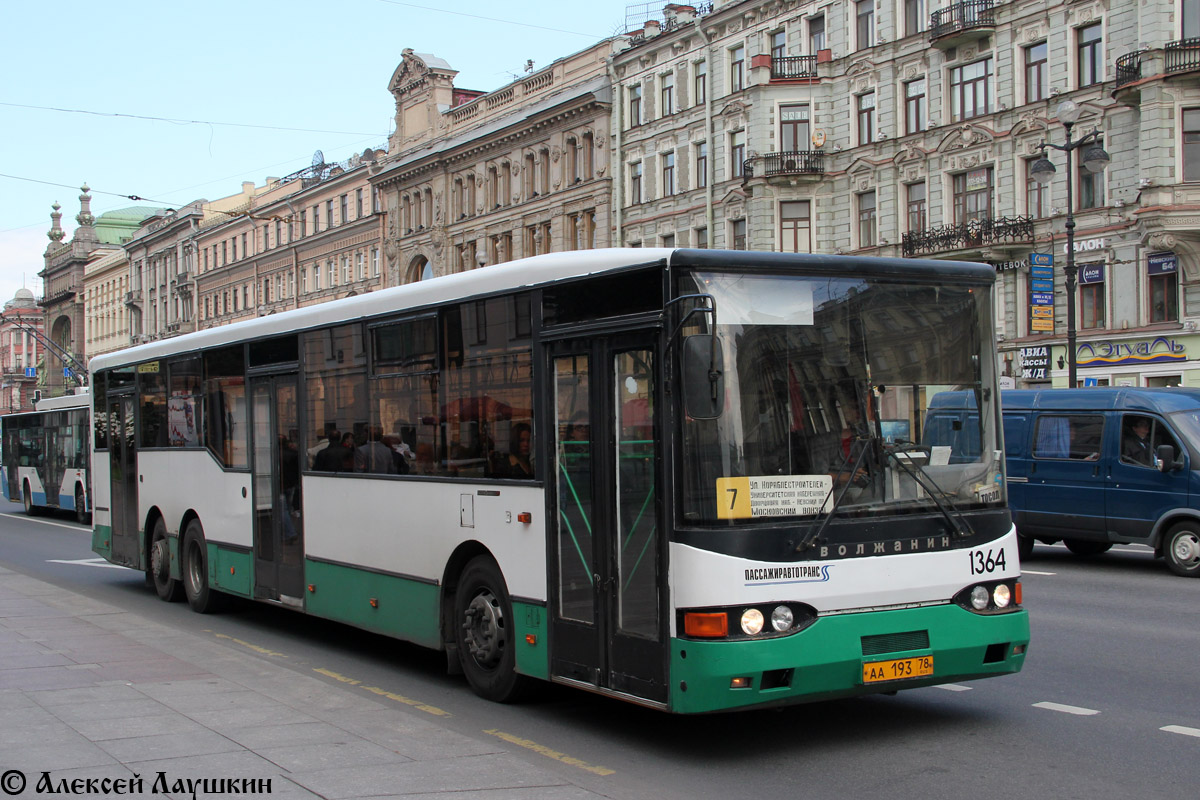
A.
pixel 1084 547
pixel 159 570
pixel 1182 550
pixel 200 596
pixel 485 634
pixel 27 497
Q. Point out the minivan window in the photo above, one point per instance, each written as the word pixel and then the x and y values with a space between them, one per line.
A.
pixel 1068 436
pixel 1141 436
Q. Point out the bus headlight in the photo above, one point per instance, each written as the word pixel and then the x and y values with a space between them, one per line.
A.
pixel 994 597
pixel 979 598
pixel 752 622
pixel 782 618
pixel 1001 596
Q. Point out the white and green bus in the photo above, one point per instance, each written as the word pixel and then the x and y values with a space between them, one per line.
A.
pixel 690 479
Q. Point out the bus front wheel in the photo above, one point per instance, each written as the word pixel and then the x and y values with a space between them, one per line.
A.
pixel 167 587
pixel 200 596
pixel 1182 550
pixel 27 497
pixel 485 634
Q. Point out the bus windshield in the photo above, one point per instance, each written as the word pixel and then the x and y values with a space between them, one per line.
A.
pixel 848 395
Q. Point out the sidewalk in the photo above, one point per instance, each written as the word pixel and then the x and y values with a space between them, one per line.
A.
pixel 89 692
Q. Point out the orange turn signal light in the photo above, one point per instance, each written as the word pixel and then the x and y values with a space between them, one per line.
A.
pixel 709 626
pixel 530 638
pixel 525 517
pixel 1017 594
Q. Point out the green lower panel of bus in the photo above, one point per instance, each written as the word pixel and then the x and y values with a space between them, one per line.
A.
pixel 532 656
pixel 102 541
pixel 231 571
pixel 827 660
pixel 387 604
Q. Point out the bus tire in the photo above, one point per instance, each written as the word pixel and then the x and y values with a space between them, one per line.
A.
pixel 1085 547
pixel 485 634
pixel 27 497
pixel 168 588
pixel 1181 549
pixel 81 513
pixel 194 554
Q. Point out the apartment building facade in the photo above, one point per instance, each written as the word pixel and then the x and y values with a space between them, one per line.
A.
pixel 20 352
pixel 910 128
pixel 476 178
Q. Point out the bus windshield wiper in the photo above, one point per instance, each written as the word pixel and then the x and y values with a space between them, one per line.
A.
pixel 814 536
pixel 958 521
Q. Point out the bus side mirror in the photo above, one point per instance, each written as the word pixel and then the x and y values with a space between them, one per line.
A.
pixel 703 382
pixel 1166 458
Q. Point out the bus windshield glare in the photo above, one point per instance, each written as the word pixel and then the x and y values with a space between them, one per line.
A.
pixel 844 395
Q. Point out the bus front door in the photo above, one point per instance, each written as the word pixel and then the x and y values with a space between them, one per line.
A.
pixel 278 523
pixel 122 463
pixel 607 577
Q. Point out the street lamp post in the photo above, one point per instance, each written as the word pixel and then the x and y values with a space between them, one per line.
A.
pixel 1094 160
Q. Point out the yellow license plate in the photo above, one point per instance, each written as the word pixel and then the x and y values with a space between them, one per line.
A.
pixel 897 669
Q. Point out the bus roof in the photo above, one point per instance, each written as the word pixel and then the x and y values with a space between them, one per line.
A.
pixel 1099 398
pixel 527 273
pixel 80 398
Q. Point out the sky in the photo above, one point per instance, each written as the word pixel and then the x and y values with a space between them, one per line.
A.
pixel 172 102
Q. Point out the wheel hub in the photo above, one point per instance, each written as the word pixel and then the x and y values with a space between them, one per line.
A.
pixel 1186 549
pixel 483 623
pixel 159 559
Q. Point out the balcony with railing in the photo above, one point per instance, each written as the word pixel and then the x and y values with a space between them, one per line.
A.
pixel 962 22
pixel 972 234
pixel 1129 69
pixel 1182 56
pixel 790 164
pixel 792 67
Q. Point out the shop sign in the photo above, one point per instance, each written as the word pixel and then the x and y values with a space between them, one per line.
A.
pixel 1035 362
pixel 1161 263
pixel 1160 350
pixel 1091 273
pixel 1008 266
pixel 1088 245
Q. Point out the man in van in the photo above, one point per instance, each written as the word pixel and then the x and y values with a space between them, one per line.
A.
pixel 1135 446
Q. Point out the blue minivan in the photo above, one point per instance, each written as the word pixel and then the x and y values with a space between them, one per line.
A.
pixel 1102 466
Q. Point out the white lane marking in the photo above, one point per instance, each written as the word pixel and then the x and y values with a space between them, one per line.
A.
pixel 21 515
pixel 1180 729
pixel 86 562
pixel 1082 712
pixel 953 687
pixel 1035 572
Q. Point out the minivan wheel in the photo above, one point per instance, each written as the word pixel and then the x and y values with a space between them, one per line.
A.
pixel 1083 547
pixel 1182 550
pixel 1024 547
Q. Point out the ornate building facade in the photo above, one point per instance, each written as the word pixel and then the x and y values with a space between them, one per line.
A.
pixel 474 179
pixel 20 352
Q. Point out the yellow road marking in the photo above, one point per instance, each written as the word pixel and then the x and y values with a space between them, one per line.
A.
pixel 399 698
pixel 546 751
pixel 247 645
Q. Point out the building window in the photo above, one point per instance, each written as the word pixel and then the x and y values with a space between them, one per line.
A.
pixel 865 23
pixel 328 214
pixel 1091 184
pixel 702 164
pixel 700 82
pixel 915 111
pixel 1190 26
pixel 1037 194
pixel 702 238
pixel 316 277
pixel 794 134
pixel 866 118
pixel 795 226
pixel 737 69
pixel 635 105
pixel 668 174
pixel 918 219
pixel 358 203
pixel 304 223
pixel 970 90
pixel 737 154
pixel 1091 68
pixel 973 196
pixel 915 17
pixel 345 209
pixel 737 234
pixel 667 94
pixel 635 183
pixel 668 241
pixel 1191 144
pixel 1036 76
pixel 1091 295
pixel 1163 271
pixel 778 44
pixel 866 219
pixel 816 34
